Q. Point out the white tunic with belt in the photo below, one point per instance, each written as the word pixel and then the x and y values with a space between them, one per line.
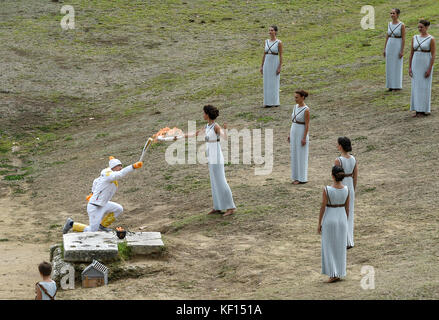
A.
pixel 394 64
pixel 349 165
pixel 334 233
pixel 421 86
pixel 221 193
pixel 299 153
pixel 271 79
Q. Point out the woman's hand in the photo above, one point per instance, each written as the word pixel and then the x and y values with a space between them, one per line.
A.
pixel 303 142
pixel 427 73
pixel 410 72
pixel 319 229
pixel 401 54
pixel 384 53
pixel 288 139
pixel 262 70
pixel 278 70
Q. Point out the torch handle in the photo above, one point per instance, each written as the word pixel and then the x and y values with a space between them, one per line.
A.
pixel 145 148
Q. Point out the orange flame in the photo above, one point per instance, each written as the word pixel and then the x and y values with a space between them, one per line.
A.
pixel 168 132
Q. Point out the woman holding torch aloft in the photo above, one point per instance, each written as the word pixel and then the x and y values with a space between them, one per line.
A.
pixel 221 193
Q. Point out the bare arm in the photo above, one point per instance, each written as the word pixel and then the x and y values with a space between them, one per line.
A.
pixel 433 53
pixel 305 133
pixel 322 211
pixel 412 51
pixel 355 176
pixel 221 132
pixel 401 54
pixel 346 207
pixel 385 45
pixel 280 48
pixel 337 162
pixel 38 295
pixel 263 60
pixel 194 134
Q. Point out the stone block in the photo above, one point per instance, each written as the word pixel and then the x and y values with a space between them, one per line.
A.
pixel 144 243
pixel 89 246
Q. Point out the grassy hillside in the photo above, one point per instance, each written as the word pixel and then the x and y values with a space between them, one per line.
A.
pixel 69 99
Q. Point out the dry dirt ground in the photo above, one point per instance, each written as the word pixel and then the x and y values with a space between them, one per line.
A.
pixel 102 89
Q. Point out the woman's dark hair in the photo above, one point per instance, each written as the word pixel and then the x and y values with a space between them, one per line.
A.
pixel 45 268
pixel 211 111
pixel 398 12
pixel 425 22
pixel 274 27
pixel 338 173
pixel 302 93
pixel 345 143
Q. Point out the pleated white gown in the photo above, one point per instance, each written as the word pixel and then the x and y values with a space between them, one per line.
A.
pixel 348 165
pixel 299 153
pixel 271 79
pixel 393 63
pixel 334 233
pixel 421 86
pixel 221 193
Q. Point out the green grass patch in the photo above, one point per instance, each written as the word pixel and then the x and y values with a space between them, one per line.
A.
pixel 18 190
pixel 4 240
pixel 265 119
pixel 3 172
pixel 245 115
pixel 194 220
pixel 125 252
pixel 57 162
pixel 102 135
pixel 170 187
pixel 15 177
pixel 5 145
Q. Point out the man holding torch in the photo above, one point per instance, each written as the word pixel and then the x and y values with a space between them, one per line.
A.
pixel 101 211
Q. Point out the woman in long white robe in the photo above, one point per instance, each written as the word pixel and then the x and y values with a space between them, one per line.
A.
pixel 350 167
pixel 422 58
pixel 221 192
pixel 271 68
pixel 334 212
pixel 394 51
pixel 299 139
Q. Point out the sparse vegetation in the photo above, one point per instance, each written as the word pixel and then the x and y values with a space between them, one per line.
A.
pixel 131 68
pixel 124 250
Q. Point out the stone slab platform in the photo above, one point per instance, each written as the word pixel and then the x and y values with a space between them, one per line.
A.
pixel 102 246
pixel 142 243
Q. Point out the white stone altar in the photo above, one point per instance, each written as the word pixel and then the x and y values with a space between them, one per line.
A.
pixel 103 246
